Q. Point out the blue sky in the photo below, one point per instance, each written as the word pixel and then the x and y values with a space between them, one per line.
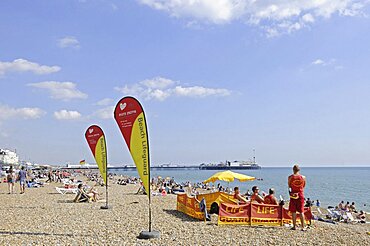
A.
pixel 217 79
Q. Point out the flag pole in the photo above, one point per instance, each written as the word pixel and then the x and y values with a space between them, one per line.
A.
pixel 106 190
pixel 106 178
pixel 150 213
pixel 130 117
pixel 150 233
pixel 149 186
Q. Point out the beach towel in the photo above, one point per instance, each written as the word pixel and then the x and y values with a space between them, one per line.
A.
pixel 66 190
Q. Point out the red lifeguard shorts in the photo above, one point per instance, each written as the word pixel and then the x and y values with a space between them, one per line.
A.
pixel 296 205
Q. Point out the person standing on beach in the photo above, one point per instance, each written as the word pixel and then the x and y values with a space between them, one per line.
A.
pixel 297 183
pixel 22 179
pixel 10 178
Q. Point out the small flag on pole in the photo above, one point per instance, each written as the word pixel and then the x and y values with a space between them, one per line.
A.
pixel 82 162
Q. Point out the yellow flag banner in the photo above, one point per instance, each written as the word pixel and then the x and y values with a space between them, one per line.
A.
pixel 96 140
pixel 130 118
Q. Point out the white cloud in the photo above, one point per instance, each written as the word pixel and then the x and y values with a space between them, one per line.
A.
pixel 157 83
pixel 320 62
pixel 308 18
pixel 105 102
pixel 199 91
pixel 67 115
pixel 23 113
pixel 60 90
pixel 161 88
pixel 266 14
pixel 216 11
pixel 22 65
pixel 105 113
pixel 69 42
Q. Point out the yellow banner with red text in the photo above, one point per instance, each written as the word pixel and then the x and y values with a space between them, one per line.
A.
pixel 230 213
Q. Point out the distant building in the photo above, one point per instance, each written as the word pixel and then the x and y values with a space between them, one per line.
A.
pixel 84 166
pixel 8 157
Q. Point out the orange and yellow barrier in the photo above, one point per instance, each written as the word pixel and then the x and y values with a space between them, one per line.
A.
pixel 257 214
pixel 190 205
pixel 230 213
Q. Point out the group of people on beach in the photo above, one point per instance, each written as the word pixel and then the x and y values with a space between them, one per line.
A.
pixel 168 185
pixel 255 196
pixel 296 184
pixel 310 203
pixel 347 207
pixel 349 210
pixel 31 178
pixel 12 176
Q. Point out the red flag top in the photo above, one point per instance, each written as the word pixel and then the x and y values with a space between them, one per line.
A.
pixel 125 113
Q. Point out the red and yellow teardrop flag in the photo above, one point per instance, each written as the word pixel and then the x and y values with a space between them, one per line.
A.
pixel 96 140
pixel 130 117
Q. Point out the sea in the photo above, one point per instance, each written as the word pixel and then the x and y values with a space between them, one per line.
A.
pixel 329 185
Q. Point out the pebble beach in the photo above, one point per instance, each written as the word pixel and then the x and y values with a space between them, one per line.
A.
pixel 42 216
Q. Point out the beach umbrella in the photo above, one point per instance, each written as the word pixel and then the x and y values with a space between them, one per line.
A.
pixel 229 176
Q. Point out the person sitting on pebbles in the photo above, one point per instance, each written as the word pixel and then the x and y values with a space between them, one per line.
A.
pixel 361 217
pixel 256 196
pixel 270 198
pixel 83 196
pixel 239 197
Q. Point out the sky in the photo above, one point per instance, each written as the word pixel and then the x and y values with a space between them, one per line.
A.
pixel 216 78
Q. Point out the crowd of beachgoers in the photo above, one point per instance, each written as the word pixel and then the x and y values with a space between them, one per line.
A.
pixel 344 212
pixel 161 186
pixel 81 221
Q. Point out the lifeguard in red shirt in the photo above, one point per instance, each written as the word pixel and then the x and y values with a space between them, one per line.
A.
pixel 270 198
pixel 239 197
pixel 296 183
pixel 256 198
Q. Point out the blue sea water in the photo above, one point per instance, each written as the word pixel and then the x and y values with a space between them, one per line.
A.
pixel 330 185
